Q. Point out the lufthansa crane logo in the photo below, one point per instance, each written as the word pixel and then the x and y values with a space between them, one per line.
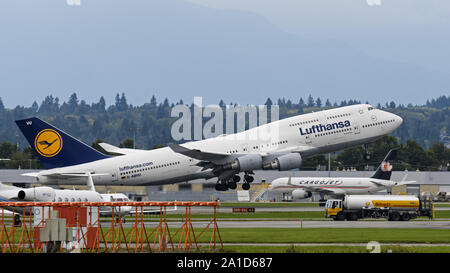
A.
pixel 48 143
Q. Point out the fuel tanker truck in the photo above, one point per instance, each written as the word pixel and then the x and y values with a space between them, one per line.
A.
pixel 391 207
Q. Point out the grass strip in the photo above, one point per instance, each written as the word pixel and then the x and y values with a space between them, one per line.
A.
pixel 335 249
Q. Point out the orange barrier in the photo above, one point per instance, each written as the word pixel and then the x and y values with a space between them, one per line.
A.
pixel 93 233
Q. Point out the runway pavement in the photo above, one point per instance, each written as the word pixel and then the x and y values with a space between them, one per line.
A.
pixel 336 224
pixel 307 224
pixel 273 209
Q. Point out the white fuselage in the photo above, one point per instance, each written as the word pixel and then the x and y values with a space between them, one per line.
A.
pixel 339 185
pixel 309 134
pixel 47 194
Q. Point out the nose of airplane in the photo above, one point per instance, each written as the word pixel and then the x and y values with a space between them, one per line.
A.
pixel 274 185
pixel 271 186
pixel 398 120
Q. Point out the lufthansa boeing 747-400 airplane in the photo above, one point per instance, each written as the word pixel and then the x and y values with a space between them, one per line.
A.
pixel 279 145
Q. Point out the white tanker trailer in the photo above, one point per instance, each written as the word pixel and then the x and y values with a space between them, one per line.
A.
pixel 391 207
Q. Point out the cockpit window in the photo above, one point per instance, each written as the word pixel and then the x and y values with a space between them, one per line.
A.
pixel 370 108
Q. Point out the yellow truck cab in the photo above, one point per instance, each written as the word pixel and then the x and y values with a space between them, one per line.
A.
pixel 333 207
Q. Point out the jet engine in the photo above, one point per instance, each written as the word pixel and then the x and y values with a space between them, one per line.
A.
pixel 300 194
pixel 38 194
pixel 245 163
pixel 285 162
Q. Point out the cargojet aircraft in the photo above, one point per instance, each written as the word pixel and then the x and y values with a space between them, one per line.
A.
pixel 279 145
pixel 303 187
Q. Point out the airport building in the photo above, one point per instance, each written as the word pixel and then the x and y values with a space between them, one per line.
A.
pixel 201 190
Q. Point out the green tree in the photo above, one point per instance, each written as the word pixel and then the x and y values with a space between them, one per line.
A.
pixel 318 102
pixel 441 153
pixel 310 102
pixel 127 143
pixel 72 104
pixel 7 149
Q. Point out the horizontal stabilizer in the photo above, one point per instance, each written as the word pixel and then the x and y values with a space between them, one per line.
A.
pixel 30 174
pixel 406 182
pixel 116 150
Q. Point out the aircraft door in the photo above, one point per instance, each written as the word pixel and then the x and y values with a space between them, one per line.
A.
pixel 245 148
pixel 308 139
pixel 192 162
pixel 361 110
pixel 115 176
pixel 356 128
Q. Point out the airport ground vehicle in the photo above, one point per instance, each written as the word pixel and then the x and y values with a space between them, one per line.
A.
pixel 442 197
pixel 392 207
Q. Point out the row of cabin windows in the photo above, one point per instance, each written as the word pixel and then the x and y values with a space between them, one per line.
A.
pixel 378 123
pixel 260 146
pixel 303 122
pixel 339 116
pixel 151 168
pixel 273 143
pixel 72 199
pixel 86 200
pixel 333 132
pixel 316 120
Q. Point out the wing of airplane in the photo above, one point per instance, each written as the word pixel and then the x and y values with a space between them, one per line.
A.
pixel 116 150
pixel 226 166
pixel 198 154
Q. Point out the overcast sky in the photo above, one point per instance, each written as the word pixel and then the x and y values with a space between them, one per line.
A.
pixel 237 50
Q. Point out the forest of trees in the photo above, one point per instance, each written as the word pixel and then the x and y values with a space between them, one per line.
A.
pixel 424 136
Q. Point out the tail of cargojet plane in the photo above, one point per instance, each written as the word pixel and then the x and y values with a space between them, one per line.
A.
pixel 384 171
pixel 54 147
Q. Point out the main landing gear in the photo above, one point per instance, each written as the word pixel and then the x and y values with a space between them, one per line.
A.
pixel 231 183
pixel 247 180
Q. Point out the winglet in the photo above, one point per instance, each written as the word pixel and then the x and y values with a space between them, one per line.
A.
pixel 116 150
